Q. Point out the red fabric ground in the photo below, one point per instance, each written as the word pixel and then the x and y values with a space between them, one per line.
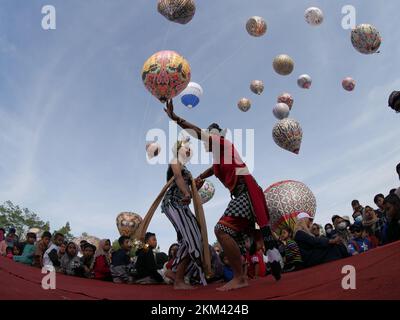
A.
pixel 377 278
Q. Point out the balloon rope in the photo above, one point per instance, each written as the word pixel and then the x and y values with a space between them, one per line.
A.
pixel 223 62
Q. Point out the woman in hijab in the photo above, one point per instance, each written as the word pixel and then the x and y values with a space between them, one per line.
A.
pixel 102 261
pixel 315 250
pixel 70 260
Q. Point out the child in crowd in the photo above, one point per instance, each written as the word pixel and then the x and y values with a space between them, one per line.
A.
pixel 146 266
pixel 50 258
pixel 169 275
pixel 81 245
pixel 3 244
pixel 40 249
pixel 86 261
pixel 9 253
pixel 292 256
pixel 29 250
pixel 12 238
pixel 228 272
pixel 102 261
pixel 357 243
pixel 120 261
pixel 256 264
pixel 70 261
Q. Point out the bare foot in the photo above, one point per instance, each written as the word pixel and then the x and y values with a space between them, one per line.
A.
pixel 183 286
pixel 234 284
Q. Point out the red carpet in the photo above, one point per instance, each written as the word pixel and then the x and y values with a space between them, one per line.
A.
pixel 377 278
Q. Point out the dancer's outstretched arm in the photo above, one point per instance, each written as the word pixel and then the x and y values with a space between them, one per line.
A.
pixel 193 130
pixel 206 174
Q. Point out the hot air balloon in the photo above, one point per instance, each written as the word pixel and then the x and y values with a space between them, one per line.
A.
pixel 304 81
pixel 257 86
pixel 314 16
pixel 348 84
pixel 285 200
pixel 207 191
pixel 283 64
pixel 288 134
pixel 244 104
pixel 281 111
pixel 190 97
pixel 179 11
pixel 128 223
pixel 286 98
pixel 166 74
pixel 256 26
pixel 366 39
pixel 153 149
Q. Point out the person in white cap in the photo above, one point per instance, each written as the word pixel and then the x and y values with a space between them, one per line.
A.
pixel 315 250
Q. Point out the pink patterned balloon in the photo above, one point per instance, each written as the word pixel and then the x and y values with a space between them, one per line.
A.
pixel 286 98
pixel 366 39
pixel 166 74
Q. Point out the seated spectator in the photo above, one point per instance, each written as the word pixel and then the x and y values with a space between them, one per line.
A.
pixel 217 248
pixel 63 248
pixel 373 226
pixel 256 265
pixel 40 249
pixel 357 244
pixel 291 255
pixel 342 225
pixel 146 267
pixel 316 230
pixel 10 253
pixel 50 257
pixel 86 261
pixel 379 200
pixel 29 249
pixel 392 227
pixel 70 260
pixel 358 210
pixel 313 250
pixel 12 239
pixel 217 267
pixel 3 244
pixel 169 275
pixel 102 261
pixel 120 261
pixel 81 246
pixel 228 272
pixel 330 233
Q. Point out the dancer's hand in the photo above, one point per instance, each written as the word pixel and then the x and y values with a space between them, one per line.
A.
pixel 169 110
pixel 199 182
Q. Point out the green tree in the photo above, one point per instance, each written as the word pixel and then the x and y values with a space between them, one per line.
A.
pixel 66 231
pixel 22 219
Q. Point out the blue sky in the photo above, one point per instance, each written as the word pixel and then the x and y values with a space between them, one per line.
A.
pixel 74 113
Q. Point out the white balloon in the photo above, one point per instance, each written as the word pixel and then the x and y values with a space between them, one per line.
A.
pixel 304 81
pixel 281 111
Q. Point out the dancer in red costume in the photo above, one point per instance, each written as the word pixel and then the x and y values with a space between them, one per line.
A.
pixel 247 206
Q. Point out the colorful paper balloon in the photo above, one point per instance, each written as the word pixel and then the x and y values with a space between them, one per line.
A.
pixel 179 11
pixel 304 81
pixel 281 111
pixel 191 95
pixel 257 86
pixel 283 64
pixel 153 149
pixel 256 26
pixel 207 191
pixel 285 200
pixel 348 84
pixel 288 134
pixel 91 239
pixel 366 39
pixel 128 223
pixel 286 98
pixel 314 16
pixel 244 104
pixel 166 74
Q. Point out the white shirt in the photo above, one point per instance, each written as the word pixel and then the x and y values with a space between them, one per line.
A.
pixel 46 259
